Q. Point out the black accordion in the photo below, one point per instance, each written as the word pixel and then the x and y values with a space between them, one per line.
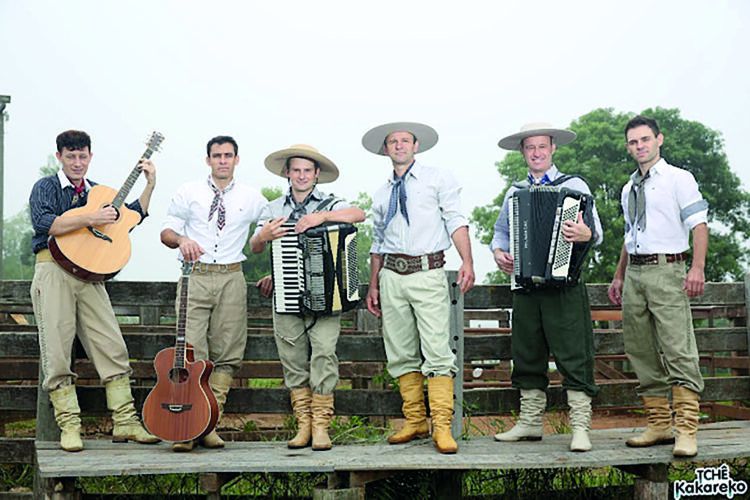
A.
pixel 315 272
pixel 541 256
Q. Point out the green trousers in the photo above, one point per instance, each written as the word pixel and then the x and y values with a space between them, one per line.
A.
pixel 556 321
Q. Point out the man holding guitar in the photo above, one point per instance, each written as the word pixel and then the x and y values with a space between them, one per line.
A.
pixel 65 305
pixel 209 221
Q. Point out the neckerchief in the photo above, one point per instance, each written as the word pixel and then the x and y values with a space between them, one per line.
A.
pixel 398 197
pixel 218 203
pixel 637 199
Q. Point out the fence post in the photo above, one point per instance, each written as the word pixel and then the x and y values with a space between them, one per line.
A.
pixel 457 346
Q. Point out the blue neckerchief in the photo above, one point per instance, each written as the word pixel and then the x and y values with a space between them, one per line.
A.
pixel 398 197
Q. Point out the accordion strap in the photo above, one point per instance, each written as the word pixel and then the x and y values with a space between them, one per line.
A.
pixel 557 182
pixel 325 204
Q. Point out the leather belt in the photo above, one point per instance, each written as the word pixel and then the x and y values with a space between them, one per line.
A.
pixel 653 258
pixel 409 264
pixel 202 267
pixel 44 255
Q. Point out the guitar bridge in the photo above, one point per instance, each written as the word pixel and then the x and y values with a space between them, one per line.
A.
pixel 99 234
pixel 175 408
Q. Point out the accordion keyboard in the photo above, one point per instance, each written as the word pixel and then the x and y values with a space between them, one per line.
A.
pixel 288 273
pixel 563 249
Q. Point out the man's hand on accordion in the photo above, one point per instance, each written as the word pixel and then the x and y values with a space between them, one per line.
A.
pixel 307 221
pixel 504 261
pixel 272 230
pixel 577 231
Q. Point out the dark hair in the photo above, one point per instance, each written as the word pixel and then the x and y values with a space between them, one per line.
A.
pixel 222 139
pixel 73 140
pixel 642 120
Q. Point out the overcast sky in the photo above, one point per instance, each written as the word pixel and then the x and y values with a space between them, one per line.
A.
pixel 278 73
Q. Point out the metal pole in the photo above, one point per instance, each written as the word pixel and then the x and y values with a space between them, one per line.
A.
pixel 4 99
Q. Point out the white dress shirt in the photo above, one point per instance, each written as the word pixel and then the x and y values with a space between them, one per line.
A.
pixel 674 206
pixel 188 215
pixel 433 202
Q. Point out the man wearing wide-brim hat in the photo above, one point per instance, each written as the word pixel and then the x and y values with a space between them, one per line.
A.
pixel 311 386
pixel 416 215
pixel 545 320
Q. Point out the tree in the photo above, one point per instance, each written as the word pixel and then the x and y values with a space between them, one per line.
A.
pixel 364 237
pixel 598 154
pixel 258 265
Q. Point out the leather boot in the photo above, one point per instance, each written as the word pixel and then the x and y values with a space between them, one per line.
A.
pixel 580 420
pixel 302 407
pixel 529 426
pixel 220 384
pixel 68 417
pixel 127 425
pixel 322 412
pixel 687 413
pixel 183 446
pixel 440 392
pixel 659 428
pixel 411 387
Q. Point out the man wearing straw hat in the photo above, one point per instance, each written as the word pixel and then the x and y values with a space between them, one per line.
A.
pixel 311 386
pixel 209 221
pixel 416 214
pixel 556 320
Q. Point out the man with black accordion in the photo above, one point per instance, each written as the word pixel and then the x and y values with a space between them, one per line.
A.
pixel 302 208
pixel 549 314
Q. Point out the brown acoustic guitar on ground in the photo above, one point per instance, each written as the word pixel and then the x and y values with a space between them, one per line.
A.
pixel 97 253
pixel 181 406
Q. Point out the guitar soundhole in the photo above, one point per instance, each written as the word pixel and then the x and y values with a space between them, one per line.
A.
pixel 117 210
pixel 179 375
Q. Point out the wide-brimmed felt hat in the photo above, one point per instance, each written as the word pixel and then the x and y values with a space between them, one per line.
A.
pixel 560 137
pixel 276 162
pixel 374 139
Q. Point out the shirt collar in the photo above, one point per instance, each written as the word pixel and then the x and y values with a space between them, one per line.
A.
pixel 550 175
pixel 228 187
pixel 655 169
pixel 65 182
pixel 414 172
pixel 313 195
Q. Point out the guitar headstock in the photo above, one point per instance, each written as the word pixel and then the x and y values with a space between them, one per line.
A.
pixel 154 141
pixel 187 268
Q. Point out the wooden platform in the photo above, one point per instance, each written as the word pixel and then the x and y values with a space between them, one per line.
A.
pixel 721 441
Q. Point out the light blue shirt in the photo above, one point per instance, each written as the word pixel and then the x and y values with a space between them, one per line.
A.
pixel 433 202
pixel 501 239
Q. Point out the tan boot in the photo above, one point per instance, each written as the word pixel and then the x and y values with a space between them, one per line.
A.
pixel 301 405
pixel 322 412
pixel 411 386
pixel 183 446
pixel 580 420
pixel 127 425
pixel 220 384
pixel 659 428
pixel 440 392
pixel 68 417
pixel 687 413
pixel 529 426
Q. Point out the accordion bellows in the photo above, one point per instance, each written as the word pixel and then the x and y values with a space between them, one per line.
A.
pixel 541 256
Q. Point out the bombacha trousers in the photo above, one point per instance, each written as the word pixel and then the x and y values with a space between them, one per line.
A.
pixel 557 321
pixel 416 323
pixel 295 349
pixel 657 329
pixel 217 318
pixel 65 306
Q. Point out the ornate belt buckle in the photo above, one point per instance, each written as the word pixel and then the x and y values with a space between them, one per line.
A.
pixel 400 264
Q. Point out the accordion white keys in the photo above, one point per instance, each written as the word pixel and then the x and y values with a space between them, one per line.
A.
pixel 541 256
pixel 315 272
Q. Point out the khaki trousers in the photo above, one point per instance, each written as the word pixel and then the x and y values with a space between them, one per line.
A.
pixel 416 323
pixel 65 306
pixel 657 329
pixel 217 318
pixel 323 373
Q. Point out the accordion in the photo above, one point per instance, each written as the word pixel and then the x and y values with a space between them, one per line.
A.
pixel 315 272
pixel 541 256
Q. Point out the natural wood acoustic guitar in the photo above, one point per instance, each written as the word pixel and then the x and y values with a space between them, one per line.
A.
pixel 181 406
pixel 97 253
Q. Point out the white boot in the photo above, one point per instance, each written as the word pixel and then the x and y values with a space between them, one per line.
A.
pixel 580 420
pixel 529 426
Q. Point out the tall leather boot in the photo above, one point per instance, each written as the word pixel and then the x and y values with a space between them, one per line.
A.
pixel 659 428
pixel 440 392
pixel 411 387
pixel 302 407
pixel 529 426
pixel 127 424
pixel 68 417
pixel 322 412
pixel 220 384
pixel 687 412
pixel 580 420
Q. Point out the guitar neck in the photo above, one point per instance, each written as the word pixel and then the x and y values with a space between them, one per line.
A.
pixel 130 181
pixel 180 347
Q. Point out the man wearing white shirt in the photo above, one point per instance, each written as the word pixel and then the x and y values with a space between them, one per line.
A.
pixel 416 215
pixel 662 206
pixel 209 221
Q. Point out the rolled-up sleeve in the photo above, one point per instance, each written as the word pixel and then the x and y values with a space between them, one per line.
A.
pixel 177 214
pixel 693 208
pixel 378 229
pixel 449 200
pixel 501 236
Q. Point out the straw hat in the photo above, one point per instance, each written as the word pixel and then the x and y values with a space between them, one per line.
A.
pixel 276 162
pixel 373 140
pixel 560 137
